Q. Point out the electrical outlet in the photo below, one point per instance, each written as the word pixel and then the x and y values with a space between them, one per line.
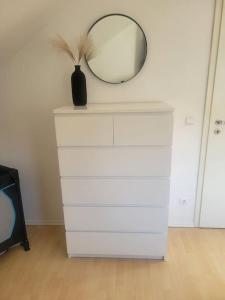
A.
pixel 183 201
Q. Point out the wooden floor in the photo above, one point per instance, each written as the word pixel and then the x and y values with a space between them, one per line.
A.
pixel 194 270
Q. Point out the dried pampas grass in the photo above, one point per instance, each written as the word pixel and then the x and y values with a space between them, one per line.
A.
pixel 84 48
pixel 62 45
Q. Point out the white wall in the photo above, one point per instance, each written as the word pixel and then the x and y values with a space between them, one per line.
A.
pixel 37 80
pixel 21 19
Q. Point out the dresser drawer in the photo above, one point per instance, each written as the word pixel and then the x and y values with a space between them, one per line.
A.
pixel 116 191
pixel 143 129
pixel 117 161
pixel 122 219
pixel 84 130
pixel 116 244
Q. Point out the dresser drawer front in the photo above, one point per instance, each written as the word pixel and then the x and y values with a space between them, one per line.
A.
pixel 118 161
pixel 143 129
pixel 84 130
pixel 122 219
pixel 117 191
pixel 116 244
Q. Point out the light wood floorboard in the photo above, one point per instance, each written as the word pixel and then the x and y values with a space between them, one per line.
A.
pixel 194 270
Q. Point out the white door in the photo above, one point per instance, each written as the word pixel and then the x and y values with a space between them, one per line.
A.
pixel 213 196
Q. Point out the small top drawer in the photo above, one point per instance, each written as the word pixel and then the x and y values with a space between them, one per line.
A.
pixel 91 130
pixel 151 129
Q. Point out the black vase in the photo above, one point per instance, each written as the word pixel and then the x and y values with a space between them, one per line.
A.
pixel 78 84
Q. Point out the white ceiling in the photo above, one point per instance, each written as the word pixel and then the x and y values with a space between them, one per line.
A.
pixel 20 19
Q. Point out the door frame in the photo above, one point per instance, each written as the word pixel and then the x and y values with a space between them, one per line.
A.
pixel 218 13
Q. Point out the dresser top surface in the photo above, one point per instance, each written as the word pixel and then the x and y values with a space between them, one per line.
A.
pixel 129 107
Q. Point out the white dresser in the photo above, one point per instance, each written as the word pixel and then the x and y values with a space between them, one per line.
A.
pixel 114 162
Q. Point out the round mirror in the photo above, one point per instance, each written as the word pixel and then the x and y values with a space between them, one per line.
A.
pixel 119 48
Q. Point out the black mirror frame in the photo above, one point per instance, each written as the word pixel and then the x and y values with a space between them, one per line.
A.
pixel 145 39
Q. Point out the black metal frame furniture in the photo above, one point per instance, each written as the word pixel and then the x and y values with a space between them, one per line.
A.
pixel 10 186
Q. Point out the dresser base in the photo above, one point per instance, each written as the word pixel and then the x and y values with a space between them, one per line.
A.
pixel 71 255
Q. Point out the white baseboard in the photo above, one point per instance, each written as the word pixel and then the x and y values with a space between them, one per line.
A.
pixel 44 222
pixel 182 225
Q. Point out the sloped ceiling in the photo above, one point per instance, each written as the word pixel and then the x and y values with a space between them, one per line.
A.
pixel 20 19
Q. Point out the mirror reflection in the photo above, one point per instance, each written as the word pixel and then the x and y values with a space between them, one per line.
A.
pixel 120 48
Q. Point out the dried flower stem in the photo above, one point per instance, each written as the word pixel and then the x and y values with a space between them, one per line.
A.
pixel 84 48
